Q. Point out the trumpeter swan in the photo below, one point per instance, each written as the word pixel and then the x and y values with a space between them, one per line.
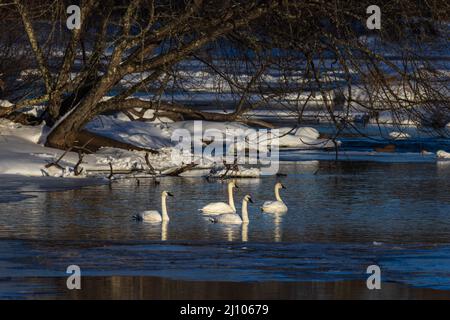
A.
pixel 215 208
pixel 154 215
pixel 277 206
pixel 234 218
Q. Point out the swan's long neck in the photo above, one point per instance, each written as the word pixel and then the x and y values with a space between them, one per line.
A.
pixel 230 197
pixel 277 194
pixel 165 216
pixel 244 211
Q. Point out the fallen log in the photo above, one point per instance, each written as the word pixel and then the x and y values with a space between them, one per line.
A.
pixel 177 171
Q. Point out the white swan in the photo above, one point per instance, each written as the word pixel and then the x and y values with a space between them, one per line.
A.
pixel 154 215
pixel 277 206
pixel 234 218
pixel 222 207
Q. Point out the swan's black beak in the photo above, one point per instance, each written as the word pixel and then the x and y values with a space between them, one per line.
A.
pixel 236 186
pixel 250 200
pixel 170 194
pixel 283 187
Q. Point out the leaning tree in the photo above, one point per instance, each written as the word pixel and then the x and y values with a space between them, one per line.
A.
pixel 124 48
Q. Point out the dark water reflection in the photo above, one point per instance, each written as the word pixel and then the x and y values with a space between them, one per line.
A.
pixel 155 288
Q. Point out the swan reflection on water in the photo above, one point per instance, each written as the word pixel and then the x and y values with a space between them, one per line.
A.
pixel 277 223
pixel 156 231
pixel 236 232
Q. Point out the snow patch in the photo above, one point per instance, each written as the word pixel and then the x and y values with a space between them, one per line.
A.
pixel 137 133
pixel 240 173
pixel 443 155
pixel 34 134
pixel 5 104
pixel 399 135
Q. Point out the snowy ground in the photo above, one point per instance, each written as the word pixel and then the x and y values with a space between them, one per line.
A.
pixel 22 151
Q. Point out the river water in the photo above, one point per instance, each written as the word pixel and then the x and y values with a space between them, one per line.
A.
pixel 343 217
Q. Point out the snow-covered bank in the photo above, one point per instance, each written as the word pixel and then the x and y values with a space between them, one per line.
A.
pixel 22 157
pixel 157 135
pixel 22 151
pixel 202 133
pixel 19 156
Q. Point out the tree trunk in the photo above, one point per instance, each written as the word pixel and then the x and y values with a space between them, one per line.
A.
pixel 64 135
